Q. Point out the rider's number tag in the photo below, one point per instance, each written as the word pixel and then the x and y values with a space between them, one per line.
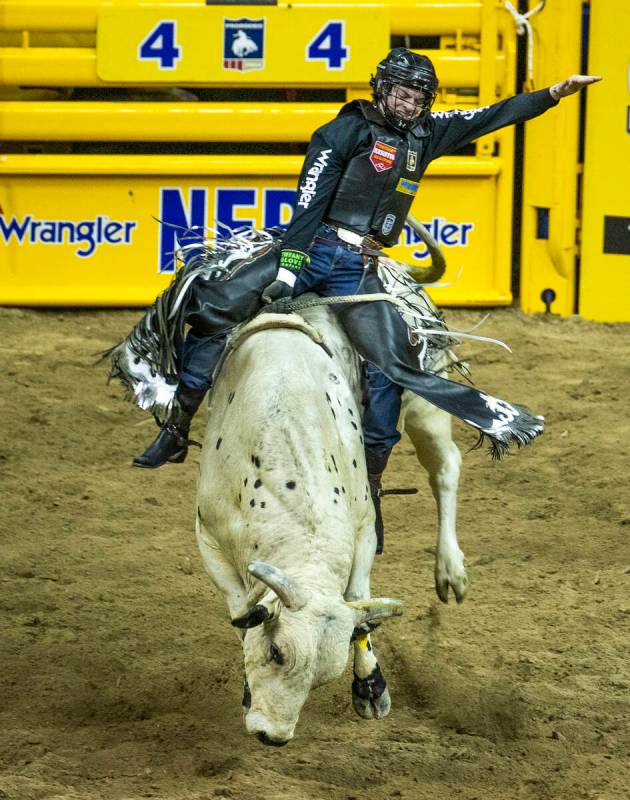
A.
pixel 239 44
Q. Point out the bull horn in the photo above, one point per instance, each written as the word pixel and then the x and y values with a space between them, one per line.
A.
pixel 284 586
pixel 375 608
pixel 437 268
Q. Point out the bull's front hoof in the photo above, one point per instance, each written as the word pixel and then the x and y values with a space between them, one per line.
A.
pixel 370 696
pixel 262 737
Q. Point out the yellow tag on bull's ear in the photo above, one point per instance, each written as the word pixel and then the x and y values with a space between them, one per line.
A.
pixel 363 641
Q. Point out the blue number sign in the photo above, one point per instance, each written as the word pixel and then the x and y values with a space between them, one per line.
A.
pixel 160 45
pixel 328 45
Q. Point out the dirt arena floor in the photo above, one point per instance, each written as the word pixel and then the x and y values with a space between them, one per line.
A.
pixel 120 676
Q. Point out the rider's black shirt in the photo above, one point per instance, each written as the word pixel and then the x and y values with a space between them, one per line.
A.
pixel 362 174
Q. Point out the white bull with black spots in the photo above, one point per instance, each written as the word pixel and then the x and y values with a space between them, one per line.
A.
pixel 285 522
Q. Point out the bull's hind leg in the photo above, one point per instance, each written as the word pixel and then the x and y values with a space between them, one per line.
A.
pixel 370 695
pixel 429 429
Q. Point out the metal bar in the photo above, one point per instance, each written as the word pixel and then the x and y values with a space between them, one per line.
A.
pixel 487 76
pixel 411 18
pixel 164 122
pixel 107 165
pixel 48 66
pixel 76 67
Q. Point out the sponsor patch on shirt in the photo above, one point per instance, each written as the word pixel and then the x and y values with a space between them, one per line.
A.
pixel 407 187
pixel 388 224
pixel 412 160
pixel 382 156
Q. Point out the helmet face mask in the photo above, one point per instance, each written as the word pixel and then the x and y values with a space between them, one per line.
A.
pixel 405 87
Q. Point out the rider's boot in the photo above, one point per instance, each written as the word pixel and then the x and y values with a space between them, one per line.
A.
pixel 376 460
pixel 171 443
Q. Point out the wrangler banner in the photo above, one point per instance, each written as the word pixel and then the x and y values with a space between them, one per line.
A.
pixel 67 239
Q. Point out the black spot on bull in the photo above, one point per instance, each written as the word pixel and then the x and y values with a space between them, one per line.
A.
pixel 219 440
pixel 231 397
pixel 252 502
pixel 334 462
pixel 370 688
pixel 290 484
pixel 258 483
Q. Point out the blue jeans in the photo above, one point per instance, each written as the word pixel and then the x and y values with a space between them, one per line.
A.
pixel 336 270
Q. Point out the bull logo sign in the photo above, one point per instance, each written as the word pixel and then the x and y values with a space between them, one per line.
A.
pixel 243 44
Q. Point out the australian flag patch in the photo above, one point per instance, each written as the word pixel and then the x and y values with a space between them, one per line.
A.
pixel 243 44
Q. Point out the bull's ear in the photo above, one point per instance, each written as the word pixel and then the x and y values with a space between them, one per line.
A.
pixel 375 608
pixel 282 584
pixel 252 617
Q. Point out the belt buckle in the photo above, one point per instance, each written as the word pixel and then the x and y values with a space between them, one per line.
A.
pixel 350 237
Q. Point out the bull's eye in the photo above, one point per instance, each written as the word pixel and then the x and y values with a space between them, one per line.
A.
pixel 275 654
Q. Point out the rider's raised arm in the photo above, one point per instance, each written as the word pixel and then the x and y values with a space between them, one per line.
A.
pixel 453 129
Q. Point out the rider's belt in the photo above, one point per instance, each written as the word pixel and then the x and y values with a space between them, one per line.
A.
pixel 350 237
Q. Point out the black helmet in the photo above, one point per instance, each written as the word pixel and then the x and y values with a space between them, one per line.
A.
pixel 403 67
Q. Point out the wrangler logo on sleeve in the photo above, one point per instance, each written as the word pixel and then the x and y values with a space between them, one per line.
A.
pixel 309 187
pixel 382 156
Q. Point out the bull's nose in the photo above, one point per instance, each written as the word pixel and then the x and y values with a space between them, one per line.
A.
pixel 262 737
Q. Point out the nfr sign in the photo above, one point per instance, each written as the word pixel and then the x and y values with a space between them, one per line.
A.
pixel 234 207
pixel 245 206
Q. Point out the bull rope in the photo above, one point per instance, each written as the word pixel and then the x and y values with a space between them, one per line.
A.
pixel 287 305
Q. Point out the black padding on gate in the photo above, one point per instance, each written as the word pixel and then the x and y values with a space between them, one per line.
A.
pixel 617 235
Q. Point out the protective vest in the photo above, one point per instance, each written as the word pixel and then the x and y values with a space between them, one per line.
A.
pixel 376 190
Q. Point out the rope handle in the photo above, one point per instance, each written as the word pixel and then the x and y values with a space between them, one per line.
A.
pixel 524 27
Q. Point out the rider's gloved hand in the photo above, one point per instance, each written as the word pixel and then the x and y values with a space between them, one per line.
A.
pixel 276 290
pixel 289 266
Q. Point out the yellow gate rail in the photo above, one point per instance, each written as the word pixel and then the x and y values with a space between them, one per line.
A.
pixel 421 18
